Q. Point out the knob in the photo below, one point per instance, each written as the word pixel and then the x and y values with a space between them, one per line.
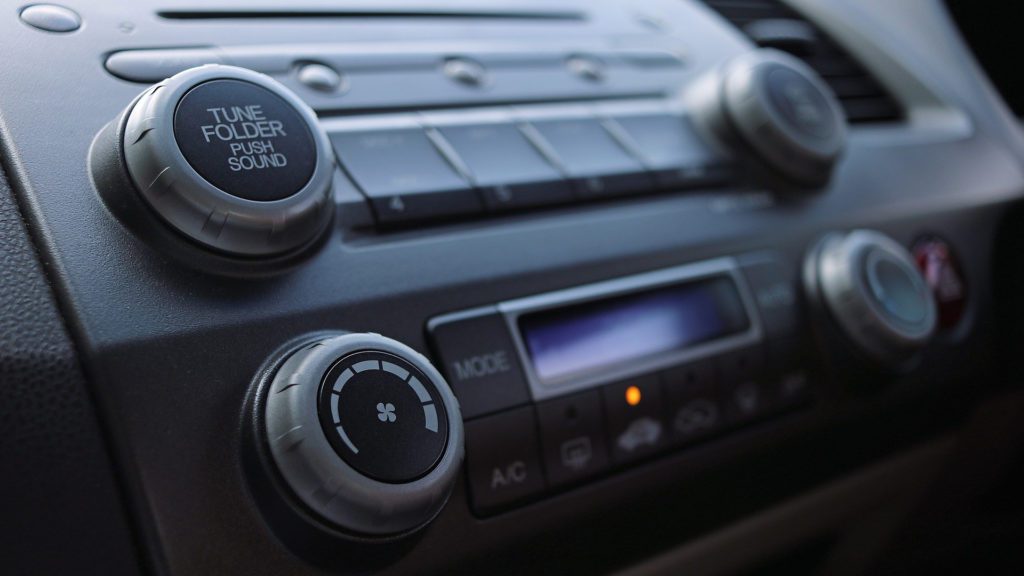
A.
pixel 365 432
pixel 873 289
pixel 770 109
pixel 227 157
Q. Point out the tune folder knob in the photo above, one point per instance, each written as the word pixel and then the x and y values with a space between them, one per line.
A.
pixel 228 158
pixel 771 110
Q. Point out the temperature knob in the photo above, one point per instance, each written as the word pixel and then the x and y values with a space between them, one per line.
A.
pixel 365 432
pixel 875 292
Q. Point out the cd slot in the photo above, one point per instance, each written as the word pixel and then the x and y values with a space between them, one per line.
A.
pixel 381 12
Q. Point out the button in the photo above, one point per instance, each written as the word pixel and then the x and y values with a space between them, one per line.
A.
pixel 800 102
pixel 744 384
pixel 774 287
pixel 694 401
pixel 465 72
pixel 502 460
pixel 51 18
pixel 573 438
pixel 383 416
pixel 644 58
pixel 586 67
pixel 319 77
pixel 944 276
pixel 404 175
pixel 245 140
pixel 671 149
pixel 788 365
pixel 635 427
pixel 155 65
pixel 228 157
pixel 896 287
pixel 480 361
pixel 597 163
pixel 511 172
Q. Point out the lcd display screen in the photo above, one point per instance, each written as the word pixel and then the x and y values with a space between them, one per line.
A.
pixel 589 337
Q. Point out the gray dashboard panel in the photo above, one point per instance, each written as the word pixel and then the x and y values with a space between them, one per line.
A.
pixel 172 350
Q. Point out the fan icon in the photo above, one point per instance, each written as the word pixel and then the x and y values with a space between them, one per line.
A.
pixel 386 412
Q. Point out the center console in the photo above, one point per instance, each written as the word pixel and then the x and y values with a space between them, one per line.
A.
pixel 452 287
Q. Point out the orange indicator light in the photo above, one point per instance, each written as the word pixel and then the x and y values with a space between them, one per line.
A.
pixel 632 395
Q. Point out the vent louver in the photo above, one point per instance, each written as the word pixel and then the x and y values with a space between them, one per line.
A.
pixel 772 24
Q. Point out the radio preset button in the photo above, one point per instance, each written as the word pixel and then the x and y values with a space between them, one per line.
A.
pixel 503 459
pixel 404 175
pixel 480 360
pixel 670 148
pixel 511 172
pixel 596 162
pixel 573 438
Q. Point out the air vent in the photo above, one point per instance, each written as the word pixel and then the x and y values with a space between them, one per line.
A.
pixel 772 24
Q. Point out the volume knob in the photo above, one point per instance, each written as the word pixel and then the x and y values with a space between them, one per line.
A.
pixel 229 158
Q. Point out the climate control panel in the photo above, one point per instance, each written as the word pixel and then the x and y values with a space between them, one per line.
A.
pixel 564 387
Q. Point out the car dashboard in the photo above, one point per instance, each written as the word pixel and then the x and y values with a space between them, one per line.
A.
pixel 463 287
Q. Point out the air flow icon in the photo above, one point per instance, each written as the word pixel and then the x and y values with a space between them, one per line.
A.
pixel 386 412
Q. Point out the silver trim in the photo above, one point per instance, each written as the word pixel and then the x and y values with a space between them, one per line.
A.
pixel 513 309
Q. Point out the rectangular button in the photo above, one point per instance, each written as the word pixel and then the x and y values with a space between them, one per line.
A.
pixel 596 162
pixel 745 380
pixel 694 401
pixel 503 460
pixel 404 175
pixel 480 361
pixel 153 65
pixel 774 285
pixel 509 170
pixel 635 422
pixel 671 149
pixel 788 365
pixel 573 439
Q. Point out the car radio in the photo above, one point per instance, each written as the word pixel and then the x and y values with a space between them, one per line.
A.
pixel 242 166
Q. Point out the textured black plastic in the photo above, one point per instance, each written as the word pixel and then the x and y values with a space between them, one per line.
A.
pixel 60 507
